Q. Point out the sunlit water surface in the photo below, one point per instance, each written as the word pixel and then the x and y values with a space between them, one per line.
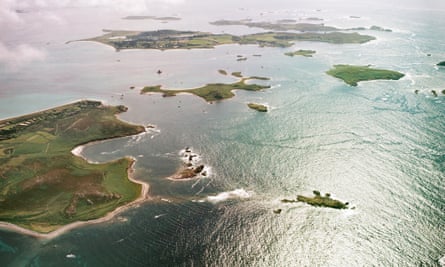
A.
pixel 379 146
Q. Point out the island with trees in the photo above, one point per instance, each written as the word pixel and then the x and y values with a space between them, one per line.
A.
pixel 44 186
pixel 351 74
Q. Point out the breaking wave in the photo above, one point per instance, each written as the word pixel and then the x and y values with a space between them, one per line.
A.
pixel 235 194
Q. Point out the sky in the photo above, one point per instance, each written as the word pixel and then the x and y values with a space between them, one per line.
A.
pixel 14 55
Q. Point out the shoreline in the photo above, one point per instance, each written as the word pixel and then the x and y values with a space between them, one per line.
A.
pixel 77 152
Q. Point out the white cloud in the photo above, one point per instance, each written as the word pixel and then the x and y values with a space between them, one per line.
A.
pixel 12 20
pixel 16 57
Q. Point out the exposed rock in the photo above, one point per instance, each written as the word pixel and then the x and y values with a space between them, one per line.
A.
pixel 434 93
pixel 277 211
pixel 199 169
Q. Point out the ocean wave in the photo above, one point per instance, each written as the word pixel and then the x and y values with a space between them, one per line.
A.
pixel 442 261
pixel 409 77
pixel 235 194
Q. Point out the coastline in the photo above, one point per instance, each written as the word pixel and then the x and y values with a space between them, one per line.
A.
pixel 63 229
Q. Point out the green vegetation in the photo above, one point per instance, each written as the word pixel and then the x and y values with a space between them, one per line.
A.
pixel 43 186
pixel 319 201
pixel 171 39
pixel 258 107
pixel 213 91
pixel 301 52
pixel 354 74
pixel 442 63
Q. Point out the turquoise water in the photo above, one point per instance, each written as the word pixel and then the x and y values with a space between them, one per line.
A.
pixel 378 146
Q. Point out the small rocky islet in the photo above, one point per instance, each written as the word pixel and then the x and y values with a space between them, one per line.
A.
pixel 318 201
pixel 190 168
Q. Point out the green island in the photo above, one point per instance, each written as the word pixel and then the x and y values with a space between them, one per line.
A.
pixel 257 107
pixel 319 201
pixel 43 185
pixel 212 91
pixel 442 64
pixel 222 72
pixel 301 52
pixel 172 39
pixel 353 74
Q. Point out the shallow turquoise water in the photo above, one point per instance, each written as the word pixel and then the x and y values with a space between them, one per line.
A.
pixel 378 146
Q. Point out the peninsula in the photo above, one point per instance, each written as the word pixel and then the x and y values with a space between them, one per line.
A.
pixel 353 74
pixel 44 186
pixel 172 39
pixel 212 91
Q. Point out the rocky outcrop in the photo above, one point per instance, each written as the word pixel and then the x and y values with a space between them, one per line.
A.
pixel 191 167
pixel 319 201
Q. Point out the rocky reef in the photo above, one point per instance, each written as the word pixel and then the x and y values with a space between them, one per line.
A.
pixel 191 166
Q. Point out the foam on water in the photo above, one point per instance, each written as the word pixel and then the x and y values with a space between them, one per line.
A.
pixel 234 194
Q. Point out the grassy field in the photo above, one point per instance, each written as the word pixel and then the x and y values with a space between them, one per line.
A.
pixel 354 74
pixel 43 186
pixel 212 91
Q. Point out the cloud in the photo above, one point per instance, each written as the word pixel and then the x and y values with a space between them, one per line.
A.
pixel 12 20
pixel 16 57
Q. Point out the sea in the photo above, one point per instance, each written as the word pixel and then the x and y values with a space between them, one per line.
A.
pixel 379 146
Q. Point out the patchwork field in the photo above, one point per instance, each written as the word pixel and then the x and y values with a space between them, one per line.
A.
pixel 43 186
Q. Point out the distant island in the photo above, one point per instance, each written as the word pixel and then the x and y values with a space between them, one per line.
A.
pixel 319 201
pixel 281 25
pixel 213 91
pixel 353 74
pixel 258 107
pixel 301 52
pixel 442 63
pixel 291 25
pixel 172 39
pixel 44 186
